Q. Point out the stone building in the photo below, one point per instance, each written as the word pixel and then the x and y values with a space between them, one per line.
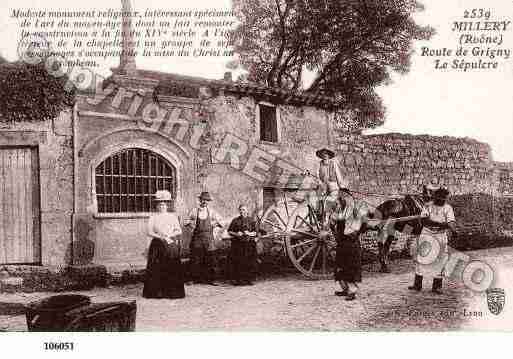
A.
pixel 235 141
pixel 78 189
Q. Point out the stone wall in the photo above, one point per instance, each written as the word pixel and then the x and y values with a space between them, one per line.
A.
pixel 504 207
pixel 379 166
pixel 103 129
pixel 383 165
pixel 399 163
pixel 54 142
pixel 505 178
pixel 303 130
pixel 120 238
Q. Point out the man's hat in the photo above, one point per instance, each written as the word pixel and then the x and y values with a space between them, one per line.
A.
pixel 322 151
pixel 433 184
pixel 163 196
pixel 441 193
pixel 345 191
pixel 205 196
pixel 432 187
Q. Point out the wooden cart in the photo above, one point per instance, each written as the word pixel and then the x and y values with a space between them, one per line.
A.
pixel 300 224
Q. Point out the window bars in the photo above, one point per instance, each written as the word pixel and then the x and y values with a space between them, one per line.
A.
pixel 127 180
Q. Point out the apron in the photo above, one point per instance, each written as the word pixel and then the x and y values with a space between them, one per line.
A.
pixel 243 254
pixel 328 176
pixel 203 235
pixel 327 173
pixel 427 263
pixel 348 257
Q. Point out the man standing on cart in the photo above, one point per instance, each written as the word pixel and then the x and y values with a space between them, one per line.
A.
pixel 330 177
pixel 329 171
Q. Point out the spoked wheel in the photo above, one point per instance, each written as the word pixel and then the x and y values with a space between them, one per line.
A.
pixel 273 222
pixel 310 243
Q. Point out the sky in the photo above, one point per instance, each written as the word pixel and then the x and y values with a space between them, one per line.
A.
pixel 475 104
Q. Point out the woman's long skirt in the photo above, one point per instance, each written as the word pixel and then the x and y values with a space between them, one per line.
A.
pixel 349 259
pixel 164 272
pixel 243 260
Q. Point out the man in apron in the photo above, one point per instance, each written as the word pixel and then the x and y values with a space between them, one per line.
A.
pixel 438 222
pixel 203 220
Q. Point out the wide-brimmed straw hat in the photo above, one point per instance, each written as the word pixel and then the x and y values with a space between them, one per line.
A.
pixel 163 196
pixel 205 196
pixel 327 151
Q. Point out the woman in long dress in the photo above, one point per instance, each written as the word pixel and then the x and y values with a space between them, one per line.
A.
pixel 164 272
pixel 348 222
pixel 243 253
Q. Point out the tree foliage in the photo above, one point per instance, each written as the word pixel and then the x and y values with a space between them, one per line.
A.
pixel 28 92
pixel 351 47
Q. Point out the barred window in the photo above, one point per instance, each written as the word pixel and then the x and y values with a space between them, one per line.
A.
pixel 127 180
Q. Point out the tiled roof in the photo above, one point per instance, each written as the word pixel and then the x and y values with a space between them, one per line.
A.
pixel 242 88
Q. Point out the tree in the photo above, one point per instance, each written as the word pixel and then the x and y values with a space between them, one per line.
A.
pixel 28 92
pixel 351 47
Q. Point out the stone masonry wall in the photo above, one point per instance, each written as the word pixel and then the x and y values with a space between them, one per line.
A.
pixel 505 178
pixel 385 165
pixel 399 163
pixel 303 130
pixel 122 239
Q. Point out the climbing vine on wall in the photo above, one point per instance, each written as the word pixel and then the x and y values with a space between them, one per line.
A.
pixel 30 93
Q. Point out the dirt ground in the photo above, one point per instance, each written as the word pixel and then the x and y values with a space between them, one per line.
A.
pixel 294 303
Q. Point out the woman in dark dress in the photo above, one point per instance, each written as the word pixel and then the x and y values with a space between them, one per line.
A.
pixel 243 253
pixel 348 222
pixel 164 272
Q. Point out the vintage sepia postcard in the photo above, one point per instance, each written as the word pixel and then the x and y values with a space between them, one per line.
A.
pixel 256 165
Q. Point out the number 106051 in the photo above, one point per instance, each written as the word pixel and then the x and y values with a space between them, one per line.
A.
pixel 58 346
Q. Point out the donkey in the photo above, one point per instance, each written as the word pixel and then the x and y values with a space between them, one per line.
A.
pixel 409 205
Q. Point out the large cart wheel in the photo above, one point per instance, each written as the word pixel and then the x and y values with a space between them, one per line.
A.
pixel 272 223
pixel 310 242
